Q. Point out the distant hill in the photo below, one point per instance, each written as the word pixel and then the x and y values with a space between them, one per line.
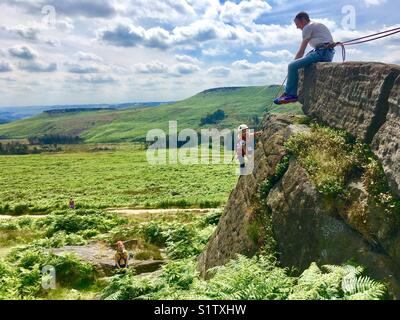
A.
pixel 9 114
pixel 240 104
pixel 76 110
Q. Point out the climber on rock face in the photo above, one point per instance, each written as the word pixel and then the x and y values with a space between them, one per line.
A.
pixel 318 36
pixel 243 147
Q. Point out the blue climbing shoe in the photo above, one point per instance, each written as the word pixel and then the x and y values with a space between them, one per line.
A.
pixel 285 99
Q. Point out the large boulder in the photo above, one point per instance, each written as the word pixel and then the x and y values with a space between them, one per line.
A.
pixel 101 256
pixel 308 228
pixel 352 96
pixel 361 98
pixel 231 236
pixel 306 225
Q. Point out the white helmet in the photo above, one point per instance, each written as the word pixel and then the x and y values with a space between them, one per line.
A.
pixel 243 127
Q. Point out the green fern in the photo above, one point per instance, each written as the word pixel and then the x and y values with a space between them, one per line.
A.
pixel 365 288
pixel 338 282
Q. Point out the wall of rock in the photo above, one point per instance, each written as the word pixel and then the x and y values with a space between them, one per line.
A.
pixel 363 99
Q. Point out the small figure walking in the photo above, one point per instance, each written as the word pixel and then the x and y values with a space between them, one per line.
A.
pixel 71 203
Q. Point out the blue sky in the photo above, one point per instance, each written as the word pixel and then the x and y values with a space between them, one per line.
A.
pixel 91 51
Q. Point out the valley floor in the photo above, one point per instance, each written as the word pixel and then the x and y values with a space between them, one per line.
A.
pixel 165 215
pixel 118 177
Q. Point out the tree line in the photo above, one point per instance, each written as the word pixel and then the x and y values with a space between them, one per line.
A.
pixel 10 148
pixel 54 139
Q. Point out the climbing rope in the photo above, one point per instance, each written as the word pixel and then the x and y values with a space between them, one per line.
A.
pixel 278 92
pixel 368 38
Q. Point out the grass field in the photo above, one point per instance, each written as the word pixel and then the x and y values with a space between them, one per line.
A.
pixel 121 177
pixel 240 105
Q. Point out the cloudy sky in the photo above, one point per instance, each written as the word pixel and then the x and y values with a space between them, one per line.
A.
pixel 110 51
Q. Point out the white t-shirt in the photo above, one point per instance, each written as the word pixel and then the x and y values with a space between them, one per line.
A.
pixel 318 33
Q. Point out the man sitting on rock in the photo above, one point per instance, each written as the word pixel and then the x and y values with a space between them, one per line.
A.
pixel 318 36
pixel 121 256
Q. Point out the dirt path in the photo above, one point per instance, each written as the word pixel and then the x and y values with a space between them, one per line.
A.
pixel 129 212
pixel 134 212
pixel 4 217
pixel 4 251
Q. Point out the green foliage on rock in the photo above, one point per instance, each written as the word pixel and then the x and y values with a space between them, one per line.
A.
pixel 332 157
pixel 326 155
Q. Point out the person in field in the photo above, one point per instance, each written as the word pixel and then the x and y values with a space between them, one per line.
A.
pixel 318 36
pixel 121 256
pixel 243 147
pixel 71 203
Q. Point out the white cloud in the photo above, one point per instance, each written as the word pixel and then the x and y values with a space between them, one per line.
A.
pixel 133 36
pixel 242 64
pixel 65 25
pixel 86 8
pixel 370 3
pixel 248 52
pixel 158 11
pixel 219 72
pixel 95 79
pixel 26 32
pixel 183 69
pixel 279 54
pixel 245 11
pixel 213 52
pixel 82 69
pixel 52 42
pixel 155 67
pixel 38 66
pixel 5 66
pixel 186 58
pixel 123 36
pixel 87 56
pixel 271 72
pixel 23 52
pixel 181 46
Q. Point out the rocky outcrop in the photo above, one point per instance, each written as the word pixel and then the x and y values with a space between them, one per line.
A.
pixel 361 98
pixel 306 225
pixel 101 257
pixel 232 236
pixel 309 227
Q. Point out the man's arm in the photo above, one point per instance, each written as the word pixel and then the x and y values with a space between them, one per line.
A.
pixel 302 49
pixel 117 262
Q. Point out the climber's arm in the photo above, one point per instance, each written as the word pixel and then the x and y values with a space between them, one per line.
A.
pixel 256 134
pixel 302 49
